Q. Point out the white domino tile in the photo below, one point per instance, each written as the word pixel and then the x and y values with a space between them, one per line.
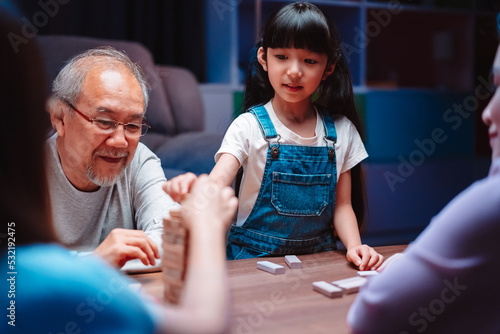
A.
pixel 270 267
pixel 350 285
pixel 293 262
pixel 328 289
pixel 367 273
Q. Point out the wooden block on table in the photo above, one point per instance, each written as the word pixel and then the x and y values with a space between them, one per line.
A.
pixel 173 252
pixel 270 267
pixel 293 262
pixel 177 263
pixel 173 272
pixel 350 285
pixel 169 238
pixel 173 282
pixel 171 298
pixel 328 289
pixel 174 258
pixel 175 218
pixel 172 293
pixel 172 285
pixel 175 228
pixel 172 289
pixel 171 222
pixel 174 237
pixel 176 213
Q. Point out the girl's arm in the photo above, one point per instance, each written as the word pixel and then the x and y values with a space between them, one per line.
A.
pixel 225 169
pixel 223 173
pixel 346 225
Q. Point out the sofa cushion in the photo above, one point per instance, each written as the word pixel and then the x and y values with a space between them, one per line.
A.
pixel 56 50
pixel 184 96
pixel 190 152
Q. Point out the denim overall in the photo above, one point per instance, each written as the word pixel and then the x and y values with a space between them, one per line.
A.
pixel 293 213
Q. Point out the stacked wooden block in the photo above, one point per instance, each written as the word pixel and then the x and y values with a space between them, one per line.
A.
pixel 175 239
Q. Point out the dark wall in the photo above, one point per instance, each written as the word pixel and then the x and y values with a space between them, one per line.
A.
pixel 172 30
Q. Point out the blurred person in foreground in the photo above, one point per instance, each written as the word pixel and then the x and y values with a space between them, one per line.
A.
pixel 53 291
pixel 447 280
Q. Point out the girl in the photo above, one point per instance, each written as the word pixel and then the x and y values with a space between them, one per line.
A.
pixel 296 146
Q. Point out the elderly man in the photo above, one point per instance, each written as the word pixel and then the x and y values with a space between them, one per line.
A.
pixel 105 186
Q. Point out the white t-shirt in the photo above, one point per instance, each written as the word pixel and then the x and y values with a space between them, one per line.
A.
pixel 244 139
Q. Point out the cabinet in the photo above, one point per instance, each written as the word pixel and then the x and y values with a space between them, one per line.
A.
pixel 402 43
pixel 420 70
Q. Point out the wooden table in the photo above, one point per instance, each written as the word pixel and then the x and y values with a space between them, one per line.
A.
pixel 266 303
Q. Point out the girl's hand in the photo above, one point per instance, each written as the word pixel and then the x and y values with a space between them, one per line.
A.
pixel 179 186
pixel 210 204
pixel 365 257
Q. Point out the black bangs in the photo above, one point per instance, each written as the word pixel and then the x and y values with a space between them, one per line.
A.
pixel 300 26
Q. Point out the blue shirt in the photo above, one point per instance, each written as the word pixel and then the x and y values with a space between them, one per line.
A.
pixel 51 291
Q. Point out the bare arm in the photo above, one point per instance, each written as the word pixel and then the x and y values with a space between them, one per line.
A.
pixel 225 170
pixel 347 228
pixel 344 219
pixel 223 173
pixel 205 304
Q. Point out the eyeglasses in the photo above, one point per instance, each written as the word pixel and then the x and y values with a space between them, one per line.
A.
pixel 108 125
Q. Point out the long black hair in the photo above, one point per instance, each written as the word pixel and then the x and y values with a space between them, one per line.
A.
pixel 305 26
pixel 24 200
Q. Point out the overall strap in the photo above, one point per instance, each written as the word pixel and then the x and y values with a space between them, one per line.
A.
pixel 330 134
pixel 266 126
pixel 267 129
pixel 329 124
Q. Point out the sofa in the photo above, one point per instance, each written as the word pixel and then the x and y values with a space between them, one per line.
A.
pixel 175 112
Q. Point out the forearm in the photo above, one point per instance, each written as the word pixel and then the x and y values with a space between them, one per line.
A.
pixel 346 226
pixel 225 170
pixel 150 204
pixel 204 305
pixel 363 256
pixel 207 268
pixel 205 302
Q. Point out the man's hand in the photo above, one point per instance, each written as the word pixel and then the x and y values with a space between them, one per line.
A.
pixel 122 245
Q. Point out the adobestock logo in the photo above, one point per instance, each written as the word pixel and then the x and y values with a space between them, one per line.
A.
pixel 253 319
pixel 453 118
pixel 87 311
pixel 223 6
pixel 436 307
pixel 380 20
pixel 40 19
